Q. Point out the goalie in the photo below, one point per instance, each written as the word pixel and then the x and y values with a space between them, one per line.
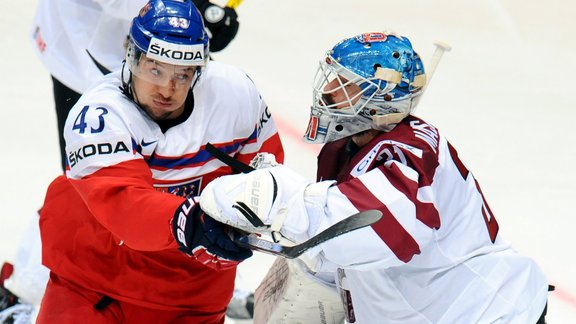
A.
pixel 436 256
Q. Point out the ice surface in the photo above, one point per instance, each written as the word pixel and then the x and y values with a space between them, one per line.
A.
pixel 503 96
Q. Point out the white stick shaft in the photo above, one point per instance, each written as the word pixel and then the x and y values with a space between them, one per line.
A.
pixel 441 47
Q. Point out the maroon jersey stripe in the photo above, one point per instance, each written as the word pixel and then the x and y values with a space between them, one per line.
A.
pixel 388 228
pixel 425 212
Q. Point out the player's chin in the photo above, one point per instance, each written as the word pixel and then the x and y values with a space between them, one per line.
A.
pixel 161 113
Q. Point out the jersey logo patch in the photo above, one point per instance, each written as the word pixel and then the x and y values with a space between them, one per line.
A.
pixel 189 188
pixel 363 166
pixel 96 149
pixel 177 54
pixel 144 144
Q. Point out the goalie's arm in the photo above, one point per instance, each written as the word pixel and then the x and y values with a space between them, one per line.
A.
pixel 298 209
pixel 392 241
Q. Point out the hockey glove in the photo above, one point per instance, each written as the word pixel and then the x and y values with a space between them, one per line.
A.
pixel 221 22
pixel 203 238
pixel 273 200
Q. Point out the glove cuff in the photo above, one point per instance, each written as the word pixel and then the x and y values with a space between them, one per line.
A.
pixel 315 196
pixel 183 224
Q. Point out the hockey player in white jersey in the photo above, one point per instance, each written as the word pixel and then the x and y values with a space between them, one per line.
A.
pixel 436 256
pixel 156 116
pixel 79 42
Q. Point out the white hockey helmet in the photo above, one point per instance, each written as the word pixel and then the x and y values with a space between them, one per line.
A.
pixel 372 80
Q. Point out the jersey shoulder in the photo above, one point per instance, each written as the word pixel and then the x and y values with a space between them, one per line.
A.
pixel 219 76
pixel 414 132
pixel 104 128
pixel 227 91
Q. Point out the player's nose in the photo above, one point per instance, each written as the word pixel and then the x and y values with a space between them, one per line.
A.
pixel 167 90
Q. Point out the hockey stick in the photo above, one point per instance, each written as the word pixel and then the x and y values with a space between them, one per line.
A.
pixel 235 164
pixel 354 222
pixel 441 48
pixel 233 3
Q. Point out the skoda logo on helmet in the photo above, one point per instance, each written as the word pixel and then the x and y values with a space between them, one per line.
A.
pixel 177 54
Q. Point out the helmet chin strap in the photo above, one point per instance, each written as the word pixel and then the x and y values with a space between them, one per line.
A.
pixel 133 91
pixel 127 83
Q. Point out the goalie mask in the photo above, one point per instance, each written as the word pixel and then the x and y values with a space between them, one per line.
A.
pixel 372 80
pixel 167 42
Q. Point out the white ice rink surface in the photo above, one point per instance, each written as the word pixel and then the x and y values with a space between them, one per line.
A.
pixel 504 96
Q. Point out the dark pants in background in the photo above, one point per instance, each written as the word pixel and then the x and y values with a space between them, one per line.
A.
pixel 64 99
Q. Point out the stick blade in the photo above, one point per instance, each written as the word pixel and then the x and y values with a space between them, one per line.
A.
pixel 354 222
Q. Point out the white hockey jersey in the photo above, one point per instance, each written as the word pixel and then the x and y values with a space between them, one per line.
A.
pixel 436 256
pixel 73 37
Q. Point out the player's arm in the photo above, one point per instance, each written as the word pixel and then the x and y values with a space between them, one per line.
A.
pixel 115 184
pixel 113 180
pixel 299 209
pixel 394 240
pixel 398 184
pixel 122 199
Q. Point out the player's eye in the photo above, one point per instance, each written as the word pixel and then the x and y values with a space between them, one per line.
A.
pixel 328 99
pixel 155 72
pixel 182 77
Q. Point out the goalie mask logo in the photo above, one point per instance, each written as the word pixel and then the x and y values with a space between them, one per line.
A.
pixel 372 37
pixel 312 130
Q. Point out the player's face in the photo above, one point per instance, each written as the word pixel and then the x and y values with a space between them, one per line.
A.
pixel 161 89
pixel 341 93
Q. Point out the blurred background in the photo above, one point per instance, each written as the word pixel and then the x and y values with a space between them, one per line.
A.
pixel 503 96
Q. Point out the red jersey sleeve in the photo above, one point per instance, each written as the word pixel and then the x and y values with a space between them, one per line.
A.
pixel 123 200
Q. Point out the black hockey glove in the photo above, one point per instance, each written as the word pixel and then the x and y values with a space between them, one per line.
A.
pixel 203 238
pixel 221 22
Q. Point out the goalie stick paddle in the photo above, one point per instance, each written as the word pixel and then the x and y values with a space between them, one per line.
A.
pixel 354 222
